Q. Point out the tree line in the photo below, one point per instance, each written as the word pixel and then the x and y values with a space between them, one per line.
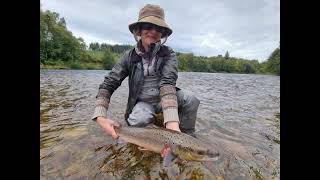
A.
pixel 56 42
pixel 228 64
pixel 59 48
pixel 113 48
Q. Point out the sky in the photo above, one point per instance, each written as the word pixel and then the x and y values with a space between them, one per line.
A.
pixel 247 29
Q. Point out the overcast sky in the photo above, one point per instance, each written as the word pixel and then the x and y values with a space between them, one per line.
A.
pixel 246 28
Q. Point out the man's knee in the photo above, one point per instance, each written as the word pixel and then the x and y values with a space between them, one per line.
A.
pixel 188 108
pixel 187 100
pixel 142 114
pixel 194 101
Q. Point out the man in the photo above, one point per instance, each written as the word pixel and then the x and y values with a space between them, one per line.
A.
pixel 152 70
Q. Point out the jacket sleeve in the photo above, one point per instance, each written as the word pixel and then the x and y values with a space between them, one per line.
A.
pixel 168 88
pixel 111 82
pixel 169 73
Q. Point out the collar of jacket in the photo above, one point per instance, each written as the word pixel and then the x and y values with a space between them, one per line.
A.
pixel 154 48
pixel 163 51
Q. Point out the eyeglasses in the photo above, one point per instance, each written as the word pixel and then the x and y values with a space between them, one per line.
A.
pixel 149 26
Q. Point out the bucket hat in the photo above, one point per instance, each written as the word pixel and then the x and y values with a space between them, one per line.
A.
pixel 153 14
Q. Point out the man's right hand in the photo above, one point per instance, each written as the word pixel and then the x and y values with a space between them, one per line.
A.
pixel 108 126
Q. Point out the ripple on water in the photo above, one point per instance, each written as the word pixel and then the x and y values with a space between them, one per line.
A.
pixel 234 111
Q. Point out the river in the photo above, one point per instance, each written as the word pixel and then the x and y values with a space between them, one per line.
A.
pixel 238 113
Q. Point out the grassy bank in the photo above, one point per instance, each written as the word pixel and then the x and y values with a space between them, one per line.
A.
pixel 71 65
pixel 93 61
pixel 99 66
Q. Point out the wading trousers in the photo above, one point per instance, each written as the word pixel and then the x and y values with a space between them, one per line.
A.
pixel 145 113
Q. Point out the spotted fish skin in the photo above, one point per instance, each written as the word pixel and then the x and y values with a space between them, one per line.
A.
pixel 156 138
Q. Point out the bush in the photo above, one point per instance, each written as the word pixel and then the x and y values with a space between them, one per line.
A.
pixel 75 65
pixel 108 60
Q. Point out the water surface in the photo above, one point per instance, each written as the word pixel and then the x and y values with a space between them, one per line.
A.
pixel 238 114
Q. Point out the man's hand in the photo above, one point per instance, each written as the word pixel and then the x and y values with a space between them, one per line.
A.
pixel 108 126
pixel 173 125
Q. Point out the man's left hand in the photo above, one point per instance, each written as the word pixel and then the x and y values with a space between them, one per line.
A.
pixel 173 125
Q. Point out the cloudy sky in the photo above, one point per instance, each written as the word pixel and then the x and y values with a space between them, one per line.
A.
pixel 246 28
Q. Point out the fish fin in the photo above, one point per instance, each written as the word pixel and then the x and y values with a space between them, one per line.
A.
pixel 120 141
pixel 169 159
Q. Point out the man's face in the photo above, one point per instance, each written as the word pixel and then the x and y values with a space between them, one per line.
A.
pixel 150 34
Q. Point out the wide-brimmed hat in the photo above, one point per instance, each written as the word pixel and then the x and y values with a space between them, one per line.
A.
pixel 152 14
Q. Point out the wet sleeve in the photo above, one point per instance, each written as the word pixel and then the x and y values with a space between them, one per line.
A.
pixel 111 82
pixel 167 84
pixel 169 103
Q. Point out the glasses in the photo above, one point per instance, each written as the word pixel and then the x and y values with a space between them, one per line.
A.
pixel 148 26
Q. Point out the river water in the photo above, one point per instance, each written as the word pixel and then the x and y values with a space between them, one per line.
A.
pixel 239 114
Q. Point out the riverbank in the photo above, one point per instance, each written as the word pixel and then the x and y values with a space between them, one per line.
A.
pixel 97 66
pixel 72 65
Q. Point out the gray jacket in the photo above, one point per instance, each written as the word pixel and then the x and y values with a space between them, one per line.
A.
pixel 131 65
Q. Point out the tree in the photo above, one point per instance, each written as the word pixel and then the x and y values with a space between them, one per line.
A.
pixel 248 68
pixel 94 46
pixel 226 56
pixel 83 45
pixel 108 60
pixel 273 62
pixel 62 22
pixel 104 46
pixel 56 42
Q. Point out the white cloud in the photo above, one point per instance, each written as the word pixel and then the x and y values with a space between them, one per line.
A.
pixel 213 40
pixel 91 38
pixel 247 29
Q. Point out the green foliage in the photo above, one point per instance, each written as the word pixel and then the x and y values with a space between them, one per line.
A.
pixel 94 46
pixel 113 48
pixel 273 63
pixel 60 49
pixel 56 42
pixel 108 60
pixel 96 55
pixel 75 65
pixel 188 62
pixel 226 56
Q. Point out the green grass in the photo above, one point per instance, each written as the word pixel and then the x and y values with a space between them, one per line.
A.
pixel 75 65
pixel 71 65
pixel 92 66
pixel 54 65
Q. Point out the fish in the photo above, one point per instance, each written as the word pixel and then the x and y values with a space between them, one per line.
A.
pixel 156 139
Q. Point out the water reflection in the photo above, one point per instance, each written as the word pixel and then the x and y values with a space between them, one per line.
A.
pixel 128 162
pixel 239 115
